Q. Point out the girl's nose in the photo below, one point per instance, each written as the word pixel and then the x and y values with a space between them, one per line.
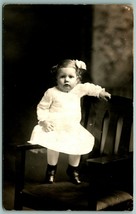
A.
pixel 67 79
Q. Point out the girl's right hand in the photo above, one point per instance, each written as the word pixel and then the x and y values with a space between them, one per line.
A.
pixel 104 95
pixel 47 126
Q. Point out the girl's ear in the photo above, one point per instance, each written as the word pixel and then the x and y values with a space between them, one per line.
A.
pixel 78 80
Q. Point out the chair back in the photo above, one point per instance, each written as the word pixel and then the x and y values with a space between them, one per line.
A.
pixel 111 123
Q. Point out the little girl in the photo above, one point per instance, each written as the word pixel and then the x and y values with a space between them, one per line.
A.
pixel 59 115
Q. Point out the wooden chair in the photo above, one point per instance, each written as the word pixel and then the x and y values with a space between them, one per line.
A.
pixel 110 164
pixel 107 170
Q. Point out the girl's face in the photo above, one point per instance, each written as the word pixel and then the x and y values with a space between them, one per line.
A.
pixel 67 79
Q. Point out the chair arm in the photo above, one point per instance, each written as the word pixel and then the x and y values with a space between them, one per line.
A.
pixel 20 169
pixel 27 146
pixel 104 160
pixel 20 161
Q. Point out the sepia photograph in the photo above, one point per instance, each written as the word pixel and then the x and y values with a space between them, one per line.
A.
pixel 67 107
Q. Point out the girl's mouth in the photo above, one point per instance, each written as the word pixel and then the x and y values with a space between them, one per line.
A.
pixel 66 85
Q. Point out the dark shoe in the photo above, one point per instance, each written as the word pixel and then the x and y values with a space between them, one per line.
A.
pixel 50 174
pixel 72 172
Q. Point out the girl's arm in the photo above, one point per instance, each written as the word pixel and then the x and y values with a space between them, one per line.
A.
pixel 97 91
pixel 44 106
pixel 91 89
pixel 43 113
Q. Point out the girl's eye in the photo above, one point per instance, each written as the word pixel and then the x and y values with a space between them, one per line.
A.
pixel 70 76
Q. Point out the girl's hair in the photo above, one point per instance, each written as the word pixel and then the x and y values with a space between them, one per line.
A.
pixel 79 67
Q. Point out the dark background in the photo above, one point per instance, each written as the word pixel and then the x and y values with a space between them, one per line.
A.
pixel 36 37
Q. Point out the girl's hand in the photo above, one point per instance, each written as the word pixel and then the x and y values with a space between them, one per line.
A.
pixel 105 95
pixel 47 126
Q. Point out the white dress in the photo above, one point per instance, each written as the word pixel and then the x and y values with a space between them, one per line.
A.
pixel 63 110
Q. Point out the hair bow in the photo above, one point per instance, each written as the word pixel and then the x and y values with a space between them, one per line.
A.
pixel 80 64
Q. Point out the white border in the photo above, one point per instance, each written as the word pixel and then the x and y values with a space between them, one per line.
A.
pixel 133 3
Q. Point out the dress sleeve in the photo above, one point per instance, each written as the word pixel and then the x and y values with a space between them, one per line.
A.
pixel 44 106
pixel 90 89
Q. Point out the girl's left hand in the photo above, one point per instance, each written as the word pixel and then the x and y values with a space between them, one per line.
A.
pixel 105 95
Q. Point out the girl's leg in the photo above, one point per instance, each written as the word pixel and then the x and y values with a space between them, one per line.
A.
pixel 52 160
pixel 74 160
pixel 52 157
pixel 72 169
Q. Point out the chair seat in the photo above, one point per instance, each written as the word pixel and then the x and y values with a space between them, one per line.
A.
pixel 57 196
